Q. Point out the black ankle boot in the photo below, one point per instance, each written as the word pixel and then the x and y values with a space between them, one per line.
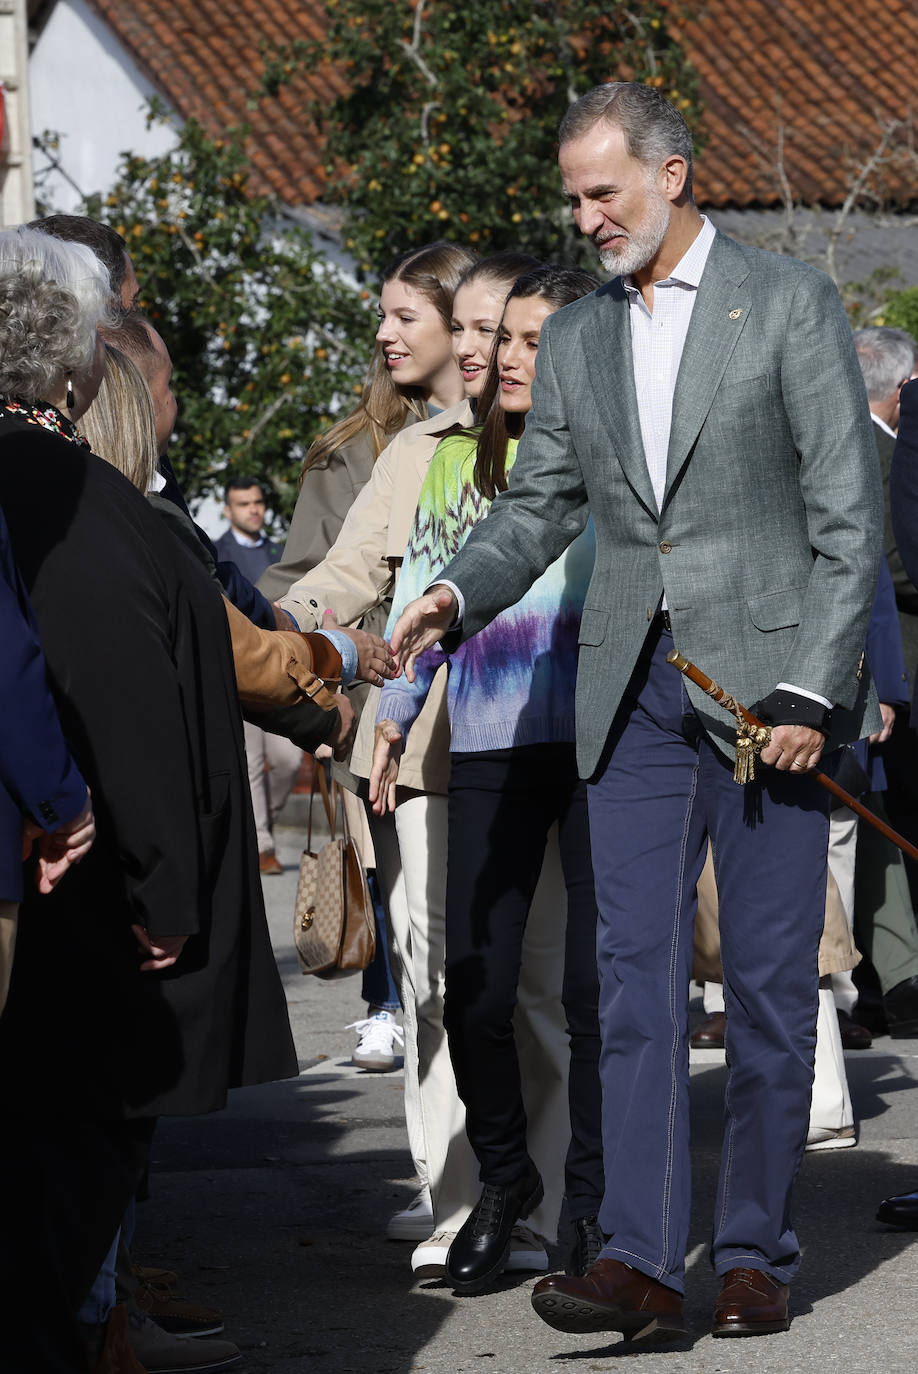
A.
pixel 588 1241
pixel 478 1253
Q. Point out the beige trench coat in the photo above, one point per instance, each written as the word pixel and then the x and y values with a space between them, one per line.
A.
pixel 359 572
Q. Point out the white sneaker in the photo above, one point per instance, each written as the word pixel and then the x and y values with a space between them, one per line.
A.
pixel 527 1252
pixel 379 1038
pixel 429 1258
pixel 415 1222
pixel 830 1138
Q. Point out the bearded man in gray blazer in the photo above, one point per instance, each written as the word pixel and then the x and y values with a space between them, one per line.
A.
pixel 707 409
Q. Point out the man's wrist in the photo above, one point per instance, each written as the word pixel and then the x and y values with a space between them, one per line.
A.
pixel 783 707
pixel 460 600
pixel 348 651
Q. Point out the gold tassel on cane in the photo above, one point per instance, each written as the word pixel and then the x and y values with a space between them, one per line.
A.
pixel 750 741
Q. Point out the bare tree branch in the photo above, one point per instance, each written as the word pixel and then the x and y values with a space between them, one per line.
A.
pixel 413 49
pixel 855 190
pixel 193 250
pixel 264 418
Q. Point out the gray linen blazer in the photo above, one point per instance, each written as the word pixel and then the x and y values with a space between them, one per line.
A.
pixel 768 541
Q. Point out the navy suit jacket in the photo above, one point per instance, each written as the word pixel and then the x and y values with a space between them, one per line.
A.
pixel 903 497
pixel 244 595
pixel 37 775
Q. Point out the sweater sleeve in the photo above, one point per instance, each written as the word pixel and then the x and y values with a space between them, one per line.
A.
pixel 437 520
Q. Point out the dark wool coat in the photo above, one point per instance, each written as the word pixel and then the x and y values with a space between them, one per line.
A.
pixel 140 665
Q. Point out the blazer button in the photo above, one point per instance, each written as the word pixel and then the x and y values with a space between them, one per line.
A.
pixel 666 547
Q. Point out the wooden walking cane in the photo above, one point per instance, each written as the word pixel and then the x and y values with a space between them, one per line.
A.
pixel 752 735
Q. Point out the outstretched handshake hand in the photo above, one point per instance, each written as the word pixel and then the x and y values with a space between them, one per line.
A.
pixel 421 624
pixel 374 661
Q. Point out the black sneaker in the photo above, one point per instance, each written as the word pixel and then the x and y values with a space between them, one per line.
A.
pixel 588 1242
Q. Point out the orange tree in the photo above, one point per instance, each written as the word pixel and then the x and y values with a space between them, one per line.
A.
pixel 449 125
pixel 267 339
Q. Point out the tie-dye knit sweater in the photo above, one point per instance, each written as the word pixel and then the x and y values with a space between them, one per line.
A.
pixel 513 683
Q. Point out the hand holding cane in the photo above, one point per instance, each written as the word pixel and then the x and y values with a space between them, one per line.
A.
pixel 752 736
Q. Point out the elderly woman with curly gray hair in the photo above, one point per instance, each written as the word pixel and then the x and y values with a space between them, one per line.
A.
pixel 149 969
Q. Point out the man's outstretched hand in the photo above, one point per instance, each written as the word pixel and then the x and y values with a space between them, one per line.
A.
pixel 421 624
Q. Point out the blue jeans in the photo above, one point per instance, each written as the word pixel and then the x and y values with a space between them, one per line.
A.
pixel 379 988
pixel 101 1297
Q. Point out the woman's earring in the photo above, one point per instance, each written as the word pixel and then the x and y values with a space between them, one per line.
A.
pixel 70 396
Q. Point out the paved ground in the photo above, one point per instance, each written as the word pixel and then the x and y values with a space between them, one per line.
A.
pixel 275 1209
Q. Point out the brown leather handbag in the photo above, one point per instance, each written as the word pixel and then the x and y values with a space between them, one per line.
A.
pixel 333 925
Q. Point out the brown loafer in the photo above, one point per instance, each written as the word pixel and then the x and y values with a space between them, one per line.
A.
pixel 751 1303
pixel 611 1296
pixel 268 862
pixel 710 1033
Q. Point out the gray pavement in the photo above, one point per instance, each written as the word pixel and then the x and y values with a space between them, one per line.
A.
pixel 275 1209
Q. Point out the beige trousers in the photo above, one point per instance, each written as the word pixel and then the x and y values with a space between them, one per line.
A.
pixel 272 788
pixel 8 916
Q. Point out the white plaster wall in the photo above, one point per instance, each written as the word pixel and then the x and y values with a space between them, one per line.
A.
pixel 86 87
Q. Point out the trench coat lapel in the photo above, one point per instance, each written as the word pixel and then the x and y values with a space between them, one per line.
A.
pixel 610 366
pixel 721 312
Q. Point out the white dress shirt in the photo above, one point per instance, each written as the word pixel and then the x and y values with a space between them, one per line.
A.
pixel 657 341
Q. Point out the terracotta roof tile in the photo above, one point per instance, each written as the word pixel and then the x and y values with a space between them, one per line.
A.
pixel 819 77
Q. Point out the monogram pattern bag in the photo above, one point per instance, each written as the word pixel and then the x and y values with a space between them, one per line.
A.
pixel 333 924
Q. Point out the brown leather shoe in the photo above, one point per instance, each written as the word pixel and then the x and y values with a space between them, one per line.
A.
pixel 610 1297
pixel 750 1303
pixel 710 1032
pixel 267 862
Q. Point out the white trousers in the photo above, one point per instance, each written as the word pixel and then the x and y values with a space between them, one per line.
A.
pixel 414 882
pixel 272 788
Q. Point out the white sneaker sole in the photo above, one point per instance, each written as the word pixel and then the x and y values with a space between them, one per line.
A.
pixel 418 1228
pixel 843 1141
pixel 385 1063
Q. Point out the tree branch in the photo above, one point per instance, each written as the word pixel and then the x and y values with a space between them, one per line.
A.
pixel 412 50
pixel 264 418
pixel 193 250
pixel 855 189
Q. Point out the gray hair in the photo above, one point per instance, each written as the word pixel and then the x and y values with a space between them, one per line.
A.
pixel 654 129
pixel 887 359
pixel 53 297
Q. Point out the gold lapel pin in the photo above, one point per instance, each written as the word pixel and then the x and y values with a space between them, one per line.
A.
pixel 735 314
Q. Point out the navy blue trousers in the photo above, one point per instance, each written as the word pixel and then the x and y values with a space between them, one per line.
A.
pixel 662 790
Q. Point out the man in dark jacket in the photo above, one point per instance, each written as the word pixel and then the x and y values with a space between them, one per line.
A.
pixel 246 545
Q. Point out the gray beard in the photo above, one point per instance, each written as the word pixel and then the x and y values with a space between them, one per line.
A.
pixel 643 244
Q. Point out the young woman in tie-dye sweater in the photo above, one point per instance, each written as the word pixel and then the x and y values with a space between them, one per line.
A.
pixel 513 775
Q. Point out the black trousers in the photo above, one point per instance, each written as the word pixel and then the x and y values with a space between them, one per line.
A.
pixel 65 1185
pixel 502 804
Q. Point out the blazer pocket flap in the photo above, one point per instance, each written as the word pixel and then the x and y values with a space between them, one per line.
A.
pixel 593 626
pixel 777 610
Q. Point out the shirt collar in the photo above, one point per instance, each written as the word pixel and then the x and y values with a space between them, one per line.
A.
pixel 883 425
pixel 246 540
pixel 690 267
